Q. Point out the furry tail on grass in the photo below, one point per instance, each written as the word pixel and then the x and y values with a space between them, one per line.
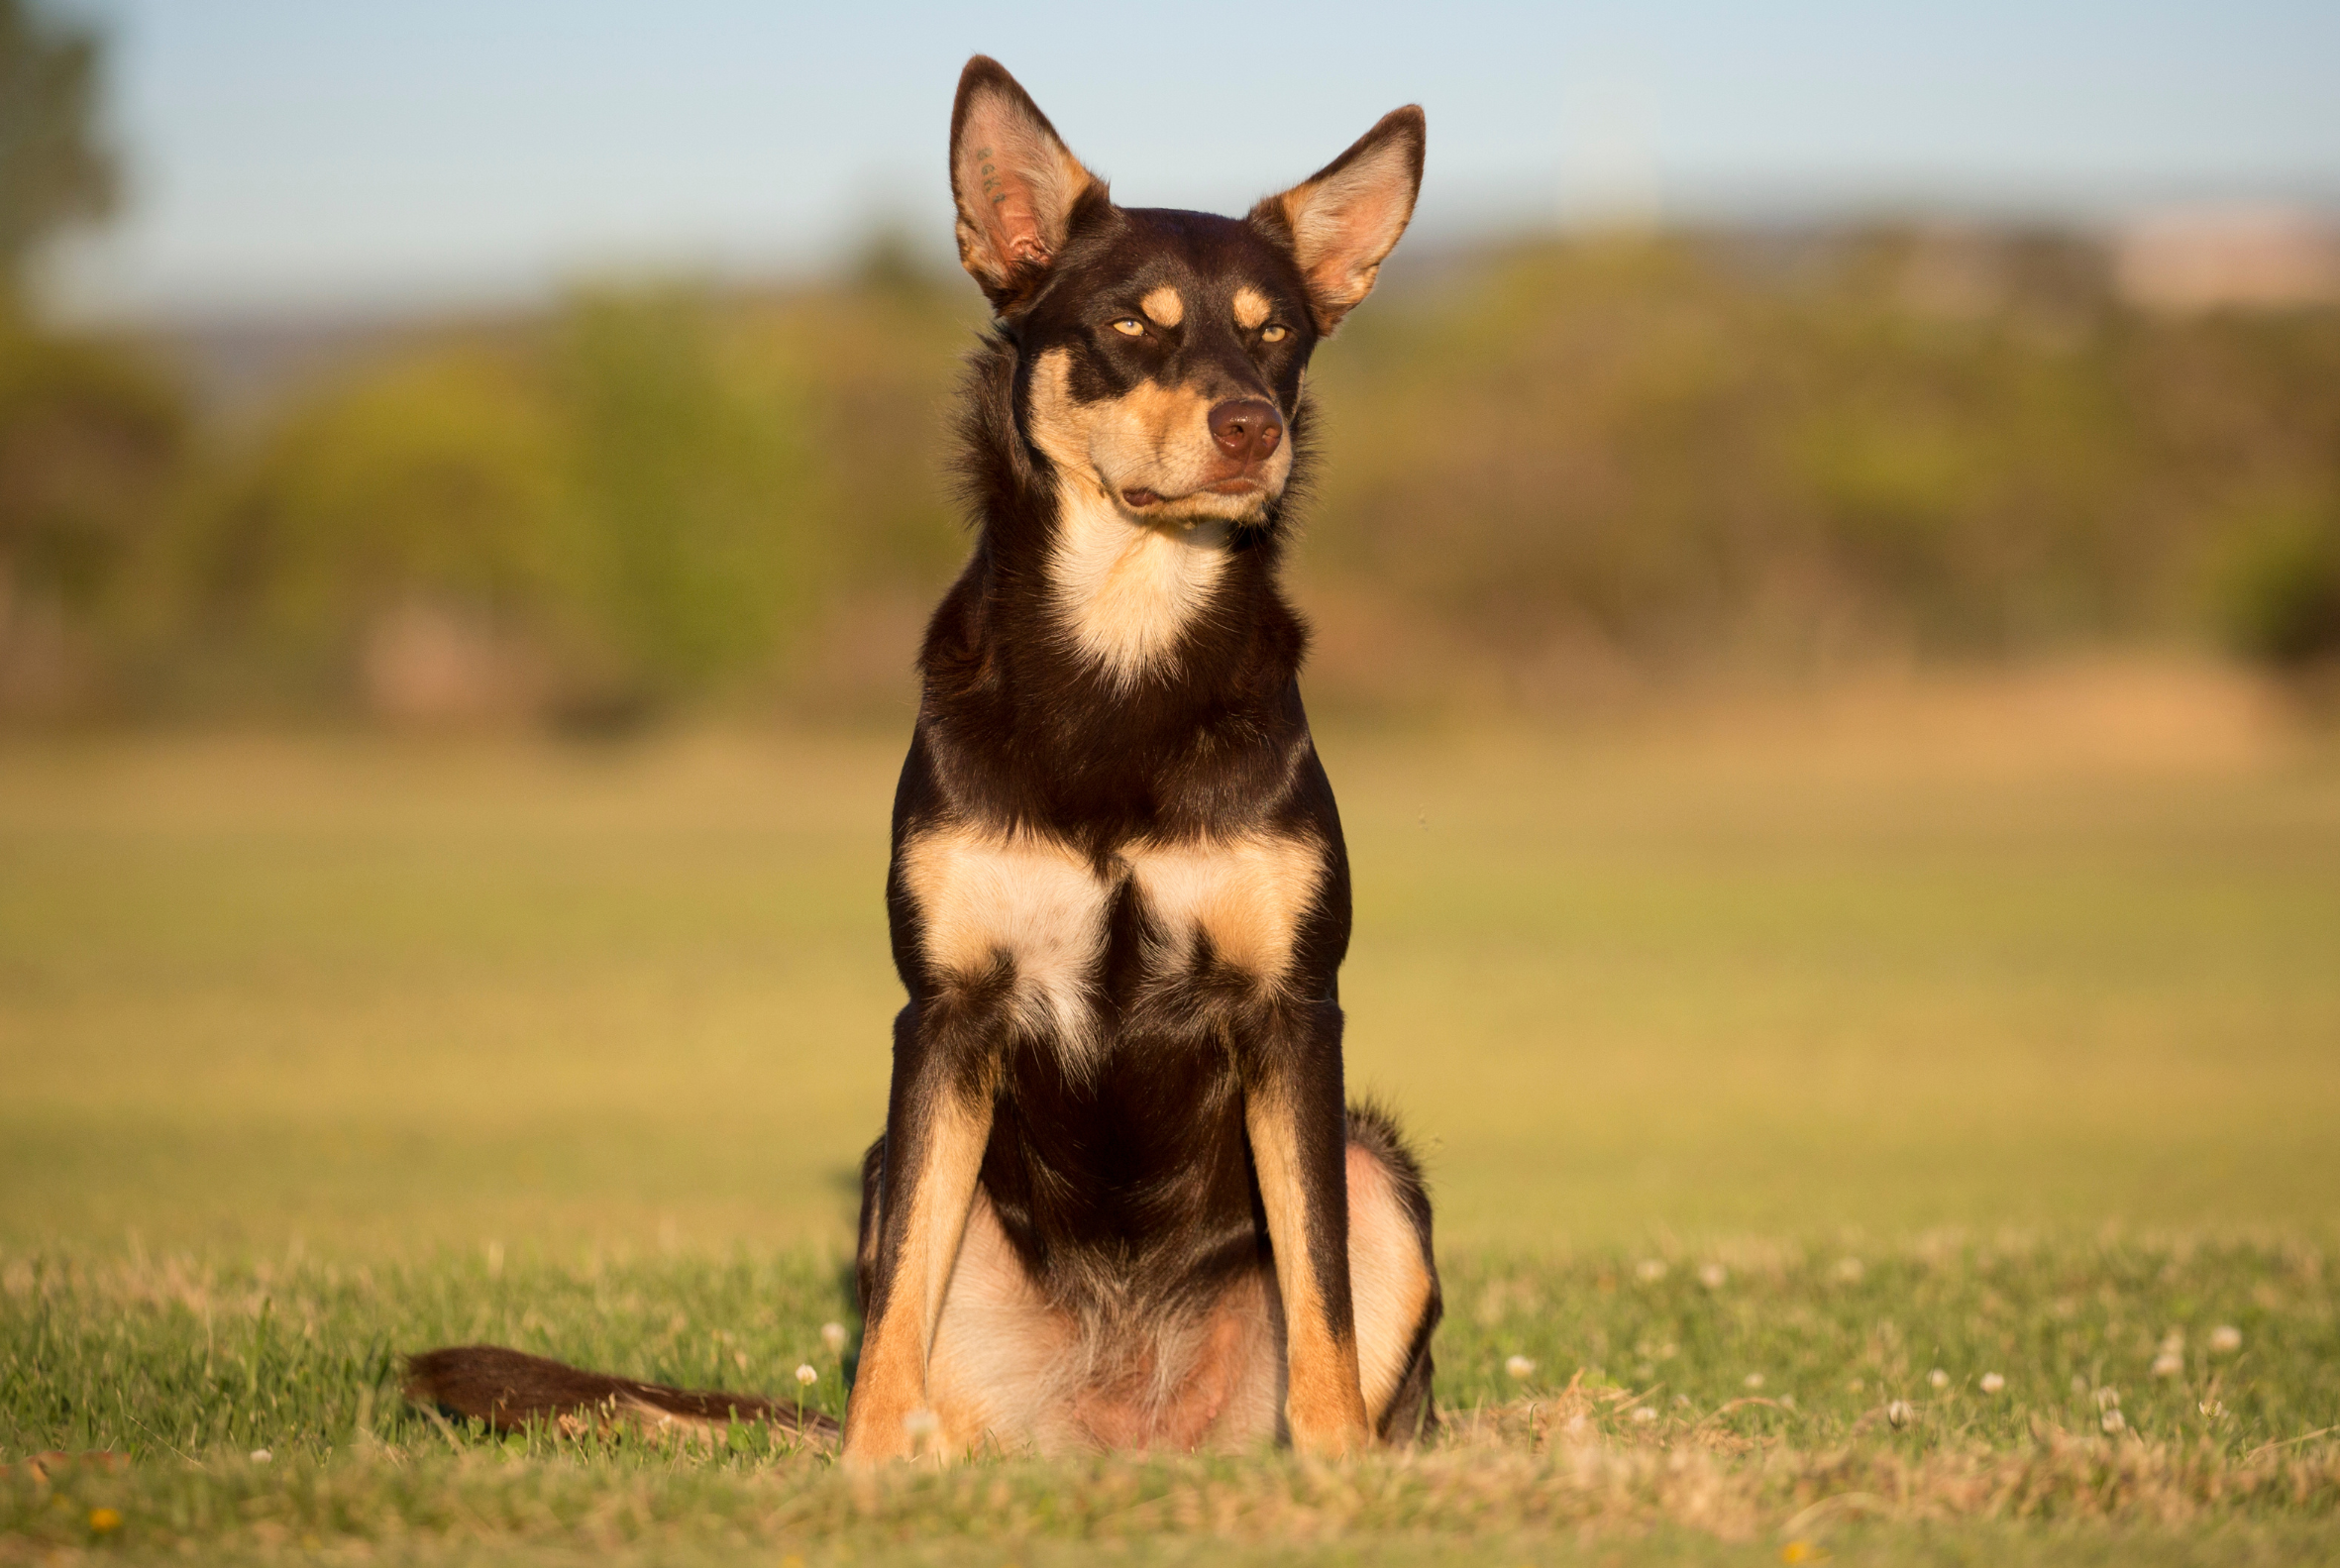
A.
pixel 510 1390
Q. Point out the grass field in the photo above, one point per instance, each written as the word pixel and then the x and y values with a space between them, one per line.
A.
pixel 1771 1061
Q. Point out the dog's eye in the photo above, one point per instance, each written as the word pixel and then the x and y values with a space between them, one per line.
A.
pixel 1129 327
pixel 1275 333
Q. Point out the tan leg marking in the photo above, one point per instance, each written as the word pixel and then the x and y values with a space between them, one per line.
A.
pixel 1389 1285
pixel 892 1380
pixel 1035 901
pixel 1247 894
pixel 1324 1403
pixel 1251 308
pixel 1164 307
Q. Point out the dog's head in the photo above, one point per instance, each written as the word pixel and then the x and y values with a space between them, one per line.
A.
pixel 1162 352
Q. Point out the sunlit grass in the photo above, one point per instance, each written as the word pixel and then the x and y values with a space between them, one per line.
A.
pixel 1759 1397
pixel 375 995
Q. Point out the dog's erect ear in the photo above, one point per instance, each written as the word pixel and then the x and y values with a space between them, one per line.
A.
pixel 1347 218
pixel 1014 181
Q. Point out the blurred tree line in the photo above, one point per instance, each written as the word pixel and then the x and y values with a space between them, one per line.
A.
pixel 1802 450
pixel 1548 464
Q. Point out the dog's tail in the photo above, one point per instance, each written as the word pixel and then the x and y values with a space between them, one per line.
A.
pixel 510 1390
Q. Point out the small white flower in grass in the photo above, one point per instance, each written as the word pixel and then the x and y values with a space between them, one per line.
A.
pixel 920 1423
pixel 260 1456
pixel 1992 1382
pixel 1939 1377
pixel 2108 1399
pixel 1713 1276
pixel 2226 1340
pixel 1651 1270
pixel 807 1376
pixel 1899 1414
pixel 833 1337
pixel 2112 1420
pixel 1642 1414
pixel 1520 1368
pixel 1754 1379
pixel 2167 1364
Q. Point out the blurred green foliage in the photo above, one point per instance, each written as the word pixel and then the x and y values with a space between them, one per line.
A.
pixel 2280 593
pixel 437 475
pixel 1805 447
pixel 606 514
pixel 1775 451
pixel 94 444
pixel 53 170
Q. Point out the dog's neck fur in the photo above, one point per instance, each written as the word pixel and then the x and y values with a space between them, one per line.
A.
pixel 1129 592
pixel 1082 662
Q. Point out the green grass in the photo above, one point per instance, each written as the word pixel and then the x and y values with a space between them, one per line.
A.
pixel 1636 1412
pixel 1981 1048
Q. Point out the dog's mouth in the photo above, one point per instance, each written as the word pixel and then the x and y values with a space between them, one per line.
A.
pixel 1138 500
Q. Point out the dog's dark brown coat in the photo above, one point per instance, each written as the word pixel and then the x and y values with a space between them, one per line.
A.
pixel 1121 1198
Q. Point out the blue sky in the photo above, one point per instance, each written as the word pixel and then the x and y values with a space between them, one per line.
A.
pixel 332 155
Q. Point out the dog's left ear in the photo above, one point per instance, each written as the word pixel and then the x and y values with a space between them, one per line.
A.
pixel 1346 219
pixel 1015 183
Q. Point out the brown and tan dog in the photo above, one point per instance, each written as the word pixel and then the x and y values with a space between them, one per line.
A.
pixel 1122 1200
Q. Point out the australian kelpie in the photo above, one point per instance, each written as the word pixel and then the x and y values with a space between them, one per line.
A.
pixel 1122 1200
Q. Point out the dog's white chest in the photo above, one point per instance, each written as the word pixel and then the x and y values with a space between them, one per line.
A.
pixel 1024 899
pixel 1127 591
pixel 1037 905
pixel 1245 897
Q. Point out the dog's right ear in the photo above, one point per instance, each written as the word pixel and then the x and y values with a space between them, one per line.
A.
pixel 1342 224
pixel 1015 183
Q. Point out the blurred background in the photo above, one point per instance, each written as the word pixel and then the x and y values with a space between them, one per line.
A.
pixel 1827 576
pixel 579 365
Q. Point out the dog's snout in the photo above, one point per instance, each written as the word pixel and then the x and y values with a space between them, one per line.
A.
pixel 1246 428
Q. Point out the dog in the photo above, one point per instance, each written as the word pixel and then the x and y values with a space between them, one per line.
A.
pixel 1122 1200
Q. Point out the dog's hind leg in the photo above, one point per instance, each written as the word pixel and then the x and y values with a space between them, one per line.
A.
pixel 1393 1277
pixel 1394 1295
pixel 1004 1373
pixel 873 1216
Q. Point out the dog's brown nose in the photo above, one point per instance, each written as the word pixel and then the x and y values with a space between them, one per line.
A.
pixel 1246 428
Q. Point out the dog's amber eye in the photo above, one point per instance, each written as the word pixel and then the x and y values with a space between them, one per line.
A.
pixel 1129 327
pixel 1275 333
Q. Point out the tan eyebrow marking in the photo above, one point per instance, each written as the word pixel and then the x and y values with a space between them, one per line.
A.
pixel 1251 308
pixel 1163 306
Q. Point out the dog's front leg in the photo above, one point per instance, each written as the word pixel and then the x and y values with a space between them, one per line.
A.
pixel 1297 1115
pixel 938 1119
